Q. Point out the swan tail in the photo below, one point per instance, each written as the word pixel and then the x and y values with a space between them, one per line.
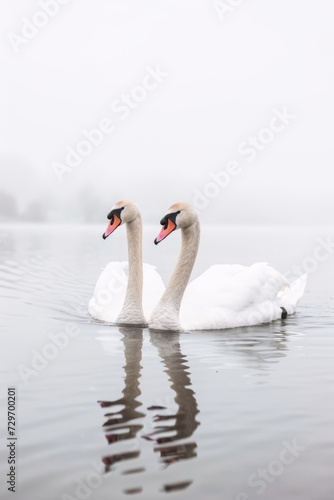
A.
pixel 289 297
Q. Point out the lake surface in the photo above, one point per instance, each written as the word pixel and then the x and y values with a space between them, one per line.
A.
pixel 106 412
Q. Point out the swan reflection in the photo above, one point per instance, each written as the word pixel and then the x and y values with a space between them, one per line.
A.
pixel 255 348
pixel 185 423
pixel 123 424
pixel 170 430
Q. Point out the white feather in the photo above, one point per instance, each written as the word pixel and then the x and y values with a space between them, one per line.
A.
pixel 110 289
pixel 229 296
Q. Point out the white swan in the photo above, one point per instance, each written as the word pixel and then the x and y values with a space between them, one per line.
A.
pixel 225 296
pixel 120 295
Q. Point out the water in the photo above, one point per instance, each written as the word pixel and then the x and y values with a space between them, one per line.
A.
pixel 238 414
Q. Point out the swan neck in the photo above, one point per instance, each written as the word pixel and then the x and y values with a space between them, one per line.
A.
pixel 132 311
pixel 166 314
pixel 181 275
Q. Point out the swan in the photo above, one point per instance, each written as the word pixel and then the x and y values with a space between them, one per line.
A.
pixel 120 296
pixel 224 296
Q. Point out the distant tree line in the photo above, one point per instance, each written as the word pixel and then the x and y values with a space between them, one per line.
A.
pixel 84 207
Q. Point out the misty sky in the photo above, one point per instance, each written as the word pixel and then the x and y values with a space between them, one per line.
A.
pixel 184 96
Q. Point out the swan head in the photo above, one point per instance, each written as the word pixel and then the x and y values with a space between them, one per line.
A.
pixel 122 212
pixel 178 216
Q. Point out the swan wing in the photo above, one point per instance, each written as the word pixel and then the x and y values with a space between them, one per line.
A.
pixel 153 288
pixel 109 292
pixel 228 296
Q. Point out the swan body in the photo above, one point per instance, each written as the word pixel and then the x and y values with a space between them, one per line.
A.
pixel 225 296
pixel 238 296
pixel 110 290
pixel 123 288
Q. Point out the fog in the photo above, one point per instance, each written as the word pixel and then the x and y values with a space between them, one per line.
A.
pixel 225 104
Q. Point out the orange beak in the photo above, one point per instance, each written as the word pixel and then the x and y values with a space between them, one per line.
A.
pixel 116 221
pixel 165 231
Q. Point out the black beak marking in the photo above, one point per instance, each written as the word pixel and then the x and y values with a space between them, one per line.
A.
pixel 171 217
pixel 115 211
